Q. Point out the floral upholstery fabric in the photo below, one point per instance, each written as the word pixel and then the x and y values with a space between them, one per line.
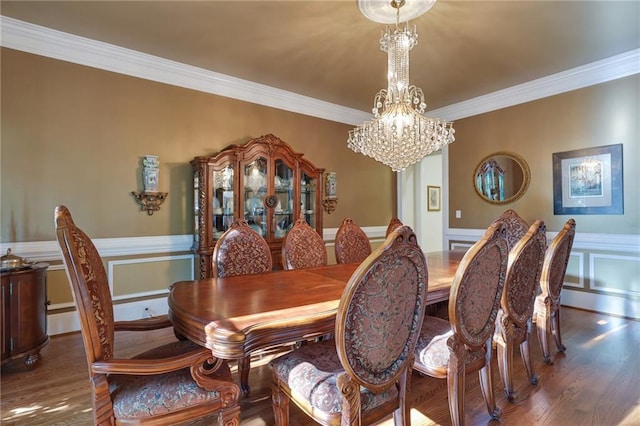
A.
pixel 241 251
pixel 380 322
pixel 303 247
pixel 377 325
pixel 479 293
pixel 351 244
pixel 432 350
pixel 559 262
pixel 523 275
pixel 311 372
pixel 516 226
pixel 137 397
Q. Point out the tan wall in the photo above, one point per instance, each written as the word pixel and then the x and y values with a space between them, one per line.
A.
pixel 75 135
pixel 600 115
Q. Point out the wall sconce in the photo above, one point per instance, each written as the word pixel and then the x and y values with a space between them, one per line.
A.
pixel 150 199
pixel 330 199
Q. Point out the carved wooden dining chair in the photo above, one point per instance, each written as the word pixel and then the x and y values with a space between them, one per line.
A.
pixel 303 247
pixel 241 251
pixel 351 244
pixel 547 306
pixel 463 345
pixel 393 224
pixel 363 375
pixel 515 225
pixel 513 326
pixel 176 382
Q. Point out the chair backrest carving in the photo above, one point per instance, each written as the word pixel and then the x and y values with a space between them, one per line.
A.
pixel 555 263
pixel 393 224
pixel 303 247
pixel 523 274
pixel 477 288
pixel 241 251
pixel 515 225
pixel 381 312
pixel 351 244
pixel 90 287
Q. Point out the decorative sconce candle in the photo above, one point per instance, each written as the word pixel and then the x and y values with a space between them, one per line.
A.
pixel 330 199
pixel 150 199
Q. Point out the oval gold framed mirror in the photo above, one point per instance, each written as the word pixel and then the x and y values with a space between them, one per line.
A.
pixel 501 177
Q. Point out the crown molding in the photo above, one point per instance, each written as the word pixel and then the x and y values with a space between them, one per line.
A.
pixel 38 40
pixel 614 67
pixel 55 44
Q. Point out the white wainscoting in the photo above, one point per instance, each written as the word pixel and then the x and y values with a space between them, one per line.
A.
pixel 590 252
pixel 587 253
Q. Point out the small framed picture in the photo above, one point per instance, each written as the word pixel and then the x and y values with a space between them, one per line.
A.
pixel 433 198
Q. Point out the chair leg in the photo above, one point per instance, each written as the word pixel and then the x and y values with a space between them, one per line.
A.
pixel 505 366
pixel 525 353
pixel 402 416
pixel 455 389
pixel 542 325
pixel 229 416
pixel 486 382
pixel 555 329
pixel 456 377
pixel 244 365
pixel 280 402
pixel 486 386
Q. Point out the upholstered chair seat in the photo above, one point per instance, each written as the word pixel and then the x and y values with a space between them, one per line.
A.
pixel 170 384
pixel 312 372
pixel 463 344
pixel 433 351
pixel 362 375
pixel 138 397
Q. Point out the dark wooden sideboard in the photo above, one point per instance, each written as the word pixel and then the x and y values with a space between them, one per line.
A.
pixel 23 319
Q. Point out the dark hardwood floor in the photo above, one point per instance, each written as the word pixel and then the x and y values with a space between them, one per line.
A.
pixel 596 382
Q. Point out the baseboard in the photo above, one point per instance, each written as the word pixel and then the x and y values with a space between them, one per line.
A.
pixel 601 303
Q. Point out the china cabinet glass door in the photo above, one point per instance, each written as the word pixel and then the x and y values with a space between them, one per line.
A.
pixel 283 212
pixel 255 190
pixel 308 208
pixel 222 202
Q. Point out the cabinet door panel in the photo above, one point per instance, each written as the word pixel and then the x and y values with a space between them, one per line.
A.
pixel 29 308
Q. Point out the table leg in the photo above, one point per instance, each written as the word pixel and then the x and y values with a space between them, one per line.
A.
pixel 244 365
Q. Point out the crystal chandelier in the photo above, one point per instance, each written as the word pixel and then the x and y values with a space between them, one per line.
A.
pixel 400 135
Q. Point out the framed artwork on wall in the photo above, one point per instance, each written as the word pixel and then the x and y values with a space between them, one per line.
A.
pixel 588 181
pixel 433 198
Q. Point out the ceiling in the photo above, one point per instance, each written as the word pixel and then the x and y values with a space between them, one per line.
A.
pixel 328 50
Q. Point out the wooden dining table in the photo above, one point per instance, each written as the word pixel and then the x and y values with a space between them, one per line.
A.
pixel 237 316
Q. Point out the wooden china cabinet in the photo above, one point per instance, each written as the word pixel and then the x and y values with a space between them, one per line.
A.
pixel 264 182
pixel 23 317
